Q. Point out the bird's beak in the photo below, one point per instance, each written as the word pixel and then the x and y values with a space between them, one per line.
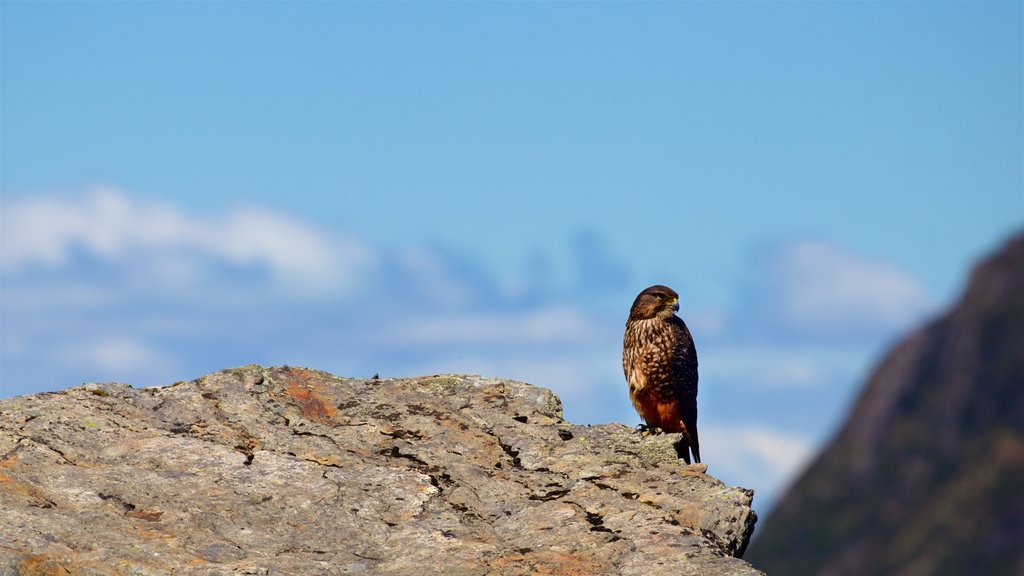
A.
pixel 675 305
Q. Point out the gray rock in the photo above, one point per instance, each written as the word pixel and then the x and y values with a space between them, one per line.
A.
pixel 286 471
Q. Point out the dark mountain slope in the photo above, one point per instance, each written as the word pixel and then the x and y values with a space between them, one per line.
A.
pixel 927 474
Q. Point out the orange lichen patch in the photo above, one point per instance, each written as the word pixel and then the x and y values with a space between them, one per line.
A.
pixel 67 563
pixel 692 470
pixel 17 487
pixel 26 490
pixel 7 463
pixel 548 562
pixel 319 458
pixel 42 565
pixel 148 514
pixel 690 516
pixel 305 389
pixel 141 533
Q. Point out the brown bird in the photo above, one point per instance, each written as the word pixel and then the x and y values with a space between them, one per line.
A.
pixel 660 363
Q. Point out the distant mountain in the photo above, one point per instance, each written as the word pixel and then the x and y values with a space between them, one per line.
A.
pixel 927 474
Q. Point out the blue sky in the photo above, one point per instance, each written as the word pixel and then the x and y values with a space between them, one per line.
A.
pixel 411 188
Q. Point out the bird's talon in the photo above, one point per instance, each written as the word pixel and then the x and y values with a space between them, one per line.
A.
pixel 646 430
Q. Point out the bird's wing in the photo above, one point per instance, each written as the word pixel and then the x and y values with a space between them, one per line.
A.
pixel 685 360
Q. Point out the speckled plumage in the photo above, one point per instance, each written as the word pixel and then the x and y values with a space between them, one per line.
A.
pixel 659 360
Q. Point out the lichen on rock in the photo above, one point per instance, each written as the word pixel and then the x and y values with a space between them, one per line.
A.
pixel 293 471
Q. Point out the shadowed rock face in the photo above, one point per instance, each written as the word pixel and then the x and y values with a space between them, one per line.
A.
pixel 926 475
pixel 293 471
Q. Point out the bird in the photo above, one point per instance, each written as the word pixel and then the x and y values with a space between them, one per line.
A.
pixel 659 360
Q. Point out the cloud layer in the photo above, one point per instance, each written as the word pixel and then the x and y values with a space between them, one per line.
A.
pixel 106 286
pixel 744 452
pixel 109 225
pixel 111 284
pixel 816 289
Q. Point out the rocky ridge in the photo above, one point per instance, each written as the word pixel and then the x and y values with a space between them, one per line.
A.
pixel 292 471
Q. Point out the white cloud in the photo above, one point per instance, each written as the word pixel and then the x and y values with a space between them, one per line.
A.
pixel 112 226
pixel 119 357
pixel 55 297
pixel 754 456
pixel 818 288
pixel 781 367
pixel 559 325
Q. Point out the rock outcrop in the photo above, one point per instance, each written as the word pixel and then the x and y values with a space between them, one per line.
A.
pixel 292 471
pixel 925 476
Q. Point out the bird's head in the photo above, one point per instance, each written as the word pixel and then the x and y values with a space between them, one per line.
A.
pixel 656 301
